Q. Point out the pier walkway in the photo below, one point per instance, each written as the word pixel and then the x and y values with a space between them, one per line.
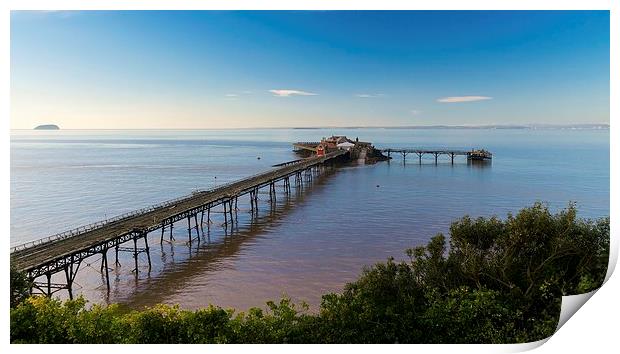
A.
pixel 64 252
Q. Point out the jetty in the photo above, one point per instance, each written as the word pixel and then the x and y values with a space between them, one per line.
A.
pixel 473 154
pixel 65 252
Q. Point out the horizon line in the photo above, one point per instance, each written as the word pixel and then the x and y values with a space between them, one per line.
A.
pixel 435 126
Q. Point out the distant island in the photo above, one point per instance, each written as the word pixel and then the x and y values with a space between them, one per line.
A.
pixel 47 127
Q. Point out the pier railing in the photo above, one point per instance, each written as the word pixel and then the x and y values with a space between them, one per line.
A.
pixel 97 224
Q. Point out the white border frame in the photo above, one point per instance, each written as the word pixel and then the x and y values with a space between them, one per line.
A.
pixel 593 328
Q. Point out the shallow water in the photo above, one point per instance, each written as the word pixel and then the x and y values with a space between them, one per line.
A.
pixel 313 241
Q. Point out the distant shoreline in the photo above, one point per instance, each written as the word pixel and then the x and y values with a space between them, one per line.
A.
pixel 604 126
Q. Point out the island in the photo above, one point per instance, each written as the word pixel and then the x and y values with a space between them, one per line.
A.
pixel 47 127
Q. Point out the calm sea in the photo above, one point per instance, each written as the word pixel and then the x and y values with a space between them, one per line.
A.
pixel 313 241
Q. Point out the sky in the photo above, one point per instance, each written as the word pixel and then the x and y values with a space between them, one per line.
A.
pixel 255 69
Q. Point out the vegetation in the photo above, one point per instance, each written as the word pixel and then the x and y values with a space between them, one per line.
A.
pixel 497 281
pixel 20 287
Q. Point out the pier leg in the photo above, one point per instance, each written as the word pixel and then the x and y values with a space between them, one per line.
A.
pixel 225 215
pixel 116 252
pixel 436 158
pixel 135 253
pixel 163 229
pixel 68 277
pixel 71 275
pixel 202 217
pixel 171 227
pixel 107 271
pixel 189 229
pixel 420 158
pixel 31 281
pixel 146 248
pixel 209 218
pixel 230 210
pixel 49 284
pixel 196 222
pixel 452 157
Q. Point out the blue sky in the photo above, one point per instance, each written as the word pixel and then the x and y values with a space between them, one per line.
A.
pixel 210 69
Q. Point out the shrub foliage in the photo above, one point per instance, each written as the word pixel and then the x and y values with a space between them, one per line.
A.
pixel 495 281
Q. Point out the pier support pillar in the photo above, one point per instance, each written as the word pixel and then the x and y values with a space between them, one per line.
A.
pixel 107 270
pixel 225 214
pixel 70 276
pixel 116 253
pixel 230 210
pixel 196 224
pixel 102 261
pixel 146 249
pixel 436 155
pixel 135 253
pixel 202 217
pixel 189 229
pixel 49 284
pixel 256 199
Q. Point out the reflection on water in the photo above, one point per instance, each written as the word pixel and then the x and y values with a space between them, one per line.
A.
pixel 312 242
pixel 480 163
pixel 182 266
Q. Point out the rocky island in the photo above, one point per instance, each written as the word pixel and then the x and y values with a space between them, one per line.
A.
pixel 47 127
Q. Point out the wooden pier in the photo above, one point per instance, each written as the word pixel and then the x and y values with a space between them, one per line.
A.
pixel 473 154
pixel 65 252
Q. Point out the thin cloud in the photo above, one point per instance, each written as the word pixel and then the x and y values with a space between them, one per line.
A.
pixel 288 93
pixel 370 95
pixel 415 112
pixel 231 95
pixel 456 99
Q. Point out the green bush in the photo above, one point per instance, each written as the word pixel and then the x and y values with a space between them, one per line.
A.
pixel 496 281
pixel 20 287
